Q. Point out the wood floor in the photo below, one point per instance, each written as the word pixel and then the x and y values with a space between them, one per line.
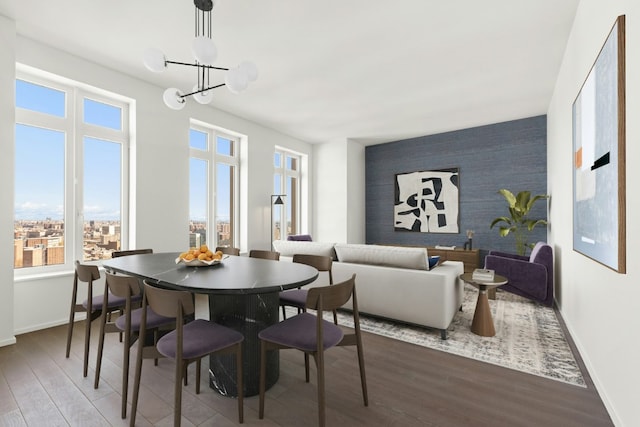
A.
pixel 408 386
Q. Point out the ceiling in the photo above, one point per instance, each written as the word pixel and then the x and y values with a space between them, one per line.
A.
pixel 368 70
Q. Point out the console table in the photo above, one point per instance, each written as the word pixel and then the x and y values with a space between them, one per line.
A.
pixel 470 258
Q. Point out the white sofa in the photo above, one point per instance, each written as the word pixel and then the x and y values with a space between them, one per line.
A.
pixel 392 282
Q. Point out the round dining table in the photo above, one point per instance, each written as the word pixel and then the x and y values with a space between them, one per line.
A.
pixel 243 295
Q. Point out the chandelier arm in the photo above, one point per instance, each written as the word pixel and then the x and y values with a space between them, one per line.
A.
pixel 196 65
pixel 201 90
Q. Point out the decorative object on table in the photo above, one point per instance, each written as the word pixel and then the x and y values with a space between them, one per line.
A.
pixel 529 276
pixel 200 257
pixel 278 203
pixel 468 245
pixel 599 205
pixel 483 275
pixel 427 201
pixel 518 221
pixel 205 52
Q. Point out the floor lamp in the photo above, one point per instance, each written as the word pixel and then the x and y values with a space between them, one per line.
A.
pixel 278 201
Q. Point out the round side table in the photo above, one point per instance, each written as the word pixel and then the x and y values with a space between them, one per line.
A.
pixel 482 321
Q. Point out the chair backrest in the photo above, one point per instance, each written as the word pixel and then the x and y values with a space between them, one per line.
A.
pixel 122 286
pixel 87 273
pixel 116 254
pixel 169 303
pixel 257 253
pixel 319 262
pixel 332 297
pixel 228 250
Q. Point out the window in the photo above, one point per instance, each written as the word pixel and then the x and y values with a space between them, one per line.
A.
pixel 213 178
pixel 71 181
pixel 286 181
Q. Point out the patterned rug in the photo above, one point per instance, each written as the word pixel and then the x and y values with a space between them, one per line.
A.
pixel 528 337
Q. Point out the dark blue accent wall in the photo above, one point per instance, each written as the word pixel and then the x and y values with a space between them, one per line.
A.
pixel 511 155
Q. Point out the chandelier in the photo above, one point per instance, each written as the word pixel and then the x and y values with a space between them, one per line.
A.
pixel 205 52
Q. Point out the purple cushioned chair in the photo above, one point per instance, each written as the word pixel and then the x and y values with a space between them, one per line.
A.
pixel 129 288
pixel 189 342
pixel 93 306
pixel 313 335
pixel 529 276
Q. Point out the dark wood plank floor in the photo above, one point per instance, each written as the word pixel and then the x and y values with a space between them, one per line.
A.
pixel 408 386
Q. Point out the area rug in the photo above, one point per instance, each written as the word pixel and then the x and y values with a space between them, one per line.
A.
pixel 528 337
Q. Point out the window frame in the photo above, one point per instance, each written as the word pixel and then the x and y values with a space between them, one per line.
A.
pixel 285 173
pixel 75 131
pixel 213 158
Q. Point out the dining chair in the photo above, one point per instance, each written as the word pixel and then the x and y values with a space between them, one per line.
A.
pixel 127 287
pixel 313 335
pixel 187 343
pixel 298 297
pixel 93 306
pixel 257 253
pixel 228 250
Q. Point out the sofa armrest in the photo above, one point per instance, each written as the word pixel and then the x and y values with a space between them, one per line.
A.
pixel 528 277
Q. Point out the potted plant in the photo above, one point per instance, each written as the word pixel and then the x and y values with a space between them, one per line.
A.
pixel 518 222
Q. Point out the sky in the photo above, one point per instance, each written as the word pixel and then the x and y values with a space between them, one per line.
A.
pixel 40 163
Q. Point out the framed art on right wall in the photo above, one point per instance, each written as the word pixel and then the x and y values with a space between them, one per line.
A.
pixel 599 204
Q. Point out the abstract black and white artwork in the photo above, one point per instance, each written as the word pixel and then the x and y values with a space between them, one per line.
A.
pixel 427 201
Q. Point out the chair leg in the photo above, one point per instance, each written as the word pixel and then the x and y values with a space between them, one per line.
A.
pixel 87 340
pixel 198 365
pixel 136 380
pixel 263 374
pixel 319 356
pixel 125 371
pixel 363 377
pixel 284 314
pixel 72 314
pixel 177 402
pixel 240 383
pixel 103 321
pixel 306 367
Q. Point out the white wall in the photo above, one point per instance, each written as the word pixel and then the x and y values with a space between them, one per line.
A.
pixel 161 174
pixel 7 120
pixel 339 212
pixel 599 305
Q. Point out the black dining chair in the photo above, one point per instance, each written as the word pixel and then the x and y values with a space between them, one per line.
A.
pixel 313 335
pixel 189 342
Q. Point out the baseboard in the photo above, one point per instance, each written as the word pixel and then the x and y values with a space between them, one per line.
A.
pixel 8 341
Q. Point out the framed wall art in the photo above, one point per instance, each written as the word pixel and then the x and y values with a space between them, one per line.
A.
pixel 599 223
pixel 427 201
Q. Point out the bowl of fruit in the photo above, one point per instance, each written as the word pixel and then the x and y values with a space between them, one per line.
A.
pixel 200 257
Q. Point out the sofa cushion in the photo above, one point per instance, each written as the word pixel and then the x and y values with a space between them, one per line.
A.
pixel 390 256
pixel 300 237
pixel 289 248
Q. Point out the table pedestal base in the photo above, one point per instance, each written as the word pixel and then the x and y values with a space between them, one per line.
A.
pixel 247 314
pixel 482 321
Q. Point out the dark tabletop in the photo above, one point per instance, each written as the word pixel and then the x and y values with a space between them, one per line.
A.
pixel 234 275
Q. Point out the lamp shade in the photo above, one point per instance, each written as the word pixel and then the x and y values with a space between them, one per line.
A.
pixel 236 80
pixel 173 99
pixel 204 50
pixel 154 60
pixel 202 97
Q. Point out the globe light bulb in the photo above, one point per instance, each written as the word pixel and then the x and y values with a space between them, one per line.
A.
pixel 236 80
pixel 154 60
pixel 204 50
pixel 172 98
pixel 249 69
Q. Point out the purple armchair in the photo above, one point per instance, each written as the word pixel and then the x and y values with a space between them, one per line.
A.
pixel 530 277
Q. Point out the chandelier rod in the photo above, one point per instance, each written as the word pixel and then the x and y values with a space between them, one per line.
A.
pixel 201 90
pixel 195 65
